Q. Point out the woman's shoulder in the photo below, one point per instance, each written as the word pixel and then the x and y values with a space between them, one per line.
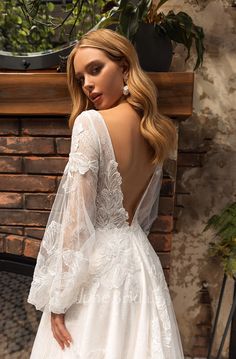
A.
pixel 84 126
pixel 85 120
pixel 122 116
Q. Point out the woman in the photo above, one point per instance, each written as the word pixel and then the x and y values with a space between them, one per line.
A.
pixel 98 280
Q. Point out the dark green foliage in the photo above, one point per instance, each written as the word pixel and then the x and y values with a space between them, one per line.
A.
pixel 34 25
pixel 29 25
pixel 179 27
pixel 224 246
pixel 18 34
pixel 76 18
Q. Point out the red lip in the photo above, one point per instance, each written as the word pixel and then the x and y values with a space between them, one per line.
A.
pixel 94 96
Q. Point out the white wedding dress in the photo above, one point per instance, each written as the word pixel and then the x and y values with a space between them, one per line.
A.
pixel 96 268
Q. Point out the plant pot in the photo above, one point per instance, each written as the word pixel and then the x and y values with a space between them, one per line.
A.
pixel 35 60
pixel 154 50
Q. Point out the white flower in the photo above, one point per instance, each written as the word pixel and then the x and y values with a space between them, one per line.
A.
pixel 78 162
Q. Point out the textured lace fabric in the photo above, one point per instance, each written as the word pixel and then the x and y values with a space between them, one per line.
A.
pixel 95 267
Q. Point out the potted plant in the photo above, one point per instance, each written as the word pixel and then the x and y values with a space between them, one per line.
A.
pixel 141 21
pixel 224 246
pixel 37 34
pixel 152 31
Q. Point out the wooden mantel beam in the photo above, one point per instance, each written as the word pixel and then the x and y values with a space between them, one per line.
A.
pixel 42 93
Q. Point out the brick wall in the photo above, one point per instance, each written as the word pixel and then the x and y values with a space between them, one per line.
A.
pixel 33 155
pixel 188 158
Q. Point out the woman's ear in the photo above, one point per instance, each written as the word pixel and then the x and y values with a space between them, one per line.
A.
pixel 125 68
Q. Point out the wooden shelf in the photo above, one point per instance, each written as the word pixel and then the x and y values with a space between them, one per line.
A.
pixel 45 93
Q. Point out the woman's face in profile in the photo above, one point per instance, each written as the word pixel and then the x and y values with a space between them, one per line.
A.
pixel 101 79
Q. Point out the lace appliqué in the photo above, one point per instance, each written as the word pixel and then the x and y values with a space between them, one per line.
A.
pixel 47 257
pixel 160 331
pixel 46 263
pixel 78 129
pixel 161 334
pixel 113 264
pixel 110 210
pixel 112 261
pixel 78 162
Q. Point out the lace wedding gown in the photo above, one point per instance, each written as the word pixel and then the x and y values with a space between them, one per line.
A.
pixel 95 267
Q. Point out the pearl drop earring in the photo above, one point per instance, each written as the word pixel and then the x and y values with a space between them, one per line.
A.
pixel 125 90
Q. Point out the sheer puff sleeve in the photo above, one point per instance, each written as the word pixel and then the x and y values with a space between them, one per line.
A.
pixel 63 259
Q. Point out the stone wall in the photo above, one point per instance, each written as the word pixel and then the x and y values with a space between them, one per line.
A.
pixel 206 178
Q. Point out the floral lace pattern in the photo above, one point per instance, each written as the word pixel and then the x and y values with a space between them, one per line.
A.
pixel 110 210
pixel 89 249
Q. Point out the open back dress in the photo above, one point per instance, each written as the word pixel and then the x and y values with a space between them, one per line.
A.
pixel 98 269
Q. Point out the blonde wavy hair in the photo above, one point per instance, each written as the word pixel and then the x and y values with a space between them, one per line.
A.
pixel 157 129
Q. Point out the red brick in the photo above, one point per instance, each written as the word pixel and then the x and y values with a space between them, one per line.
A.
pixel 58 181
pixel 29 183
pixel 164 259
pixel 45 165
pixel 167 188
pixel 31 247
pixel 9 126
pixel 2 243
pixel 200 352
pixel 39 201
pixel 14 244
pixel 12 230
pixel 189 159
pixel 10 164
pixel 27 145
pixel 163 224
pixel 11 200
pixel 166 205
pixel 34 232
pixel 204 329
pixel 45 126
pixel 160 242
pixel 201 341
pixel 24 218
pixel 63 145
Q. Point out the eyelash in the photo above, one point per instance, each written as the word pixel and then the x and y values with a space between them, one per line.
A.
pixel 95 70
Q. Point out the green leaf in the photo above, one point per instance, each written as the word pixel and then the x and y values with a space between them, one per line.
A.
pixel 50 6
pixel 22 32
pixel 224 247
pixel 19 20
pixel 105 22
pixel 143 7
pixel 230 266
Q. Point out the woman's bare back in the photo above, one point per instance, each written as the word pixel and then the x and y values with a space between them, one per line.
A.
pixel 132 152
